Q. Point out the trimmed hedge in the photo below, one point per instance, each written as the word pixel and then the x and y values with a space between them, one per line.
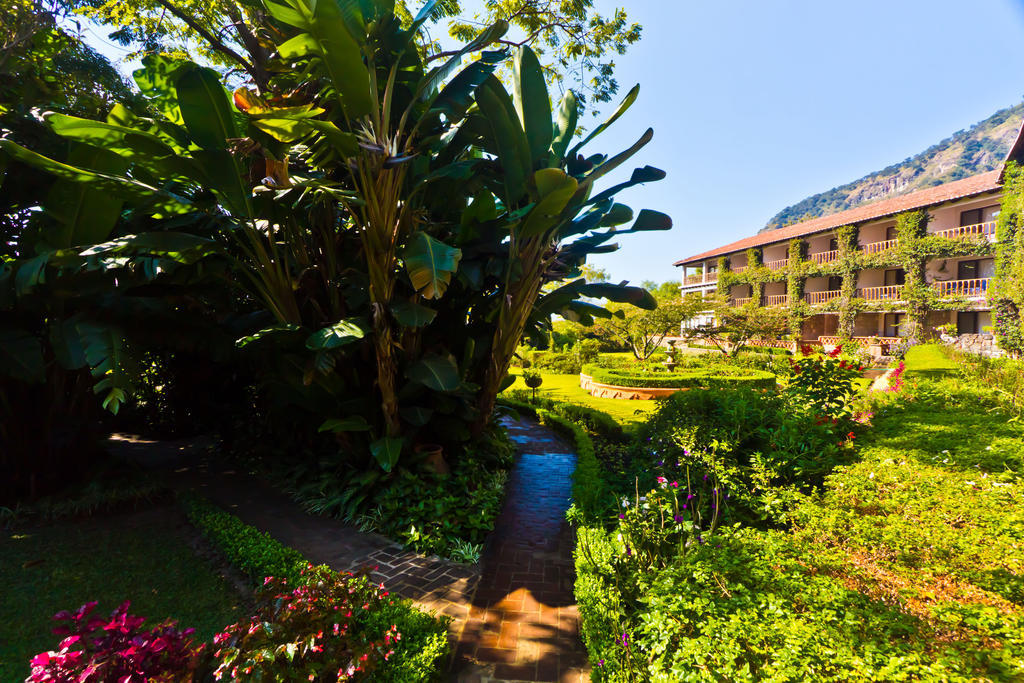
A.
pixel 421 654
pixel 253 551
pixel 773 350
pixel 587 484
pixel 711 377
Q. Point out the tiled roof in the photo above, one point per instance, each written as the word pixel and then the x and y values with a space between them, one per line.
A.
pixel 977 184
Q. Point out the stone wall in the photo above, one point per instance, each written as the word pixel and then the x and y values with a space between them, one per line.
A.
pixel 978 344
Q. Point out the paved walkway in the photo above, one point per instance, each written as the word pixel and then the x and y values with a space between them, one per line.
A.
pixel 513 616
pixel 523 623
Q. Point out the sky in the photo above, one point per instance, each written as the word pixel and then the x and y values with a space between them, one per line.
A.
pixel 756 105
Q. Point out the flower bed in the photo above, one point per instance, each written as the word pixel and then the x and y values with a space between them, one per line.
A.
pixel 310 623
pixel 615 383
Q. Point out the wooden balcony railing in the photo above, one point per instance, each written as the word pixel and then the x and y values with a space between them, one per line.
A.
pixel 824 256
pixel 821 297
pixel 978 229
pixel 739 269
pixel 741 302
pixel 775 300
pixel 712 277
pixel 693 279
pixel 887 293
pixel 970 288
pixel 776 265
pixel 879 247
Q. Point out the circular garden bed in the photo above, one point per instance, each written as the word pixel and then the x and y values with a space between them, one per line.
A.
pixel 625 384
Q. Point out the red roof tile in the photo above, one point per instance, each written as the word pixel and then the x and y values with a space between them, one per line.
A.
pixel 977 184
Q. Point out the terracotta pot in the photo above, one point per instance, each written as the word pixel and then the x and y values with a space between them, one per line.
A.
pixel 434 457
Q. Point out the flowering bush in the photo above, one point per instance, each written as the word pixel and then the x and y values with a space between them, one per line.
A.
pixel 309 632
pixel 116 649
pixel 896 378
pixel 824 383
pixel 660 526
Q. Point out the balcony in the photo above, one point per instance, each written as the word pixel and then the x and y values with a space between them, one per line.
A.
pixel 776 265
pixel 824 257
pixel 739 269
pixel 741 302
pixel 776 300
pixel 693 279
pixel 887 293
pixel 711 277
pixel 821 297
pixel 987 230
pixel 973 289
pixel 879 247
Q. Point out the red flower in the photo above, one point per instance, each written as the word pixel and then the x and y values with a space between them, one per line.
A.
pixel 851 436
pixel 836 351
pixel 806 350
pixel 842 365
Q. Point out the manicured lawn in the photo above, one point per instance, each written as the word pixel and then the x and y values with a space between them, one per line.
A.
pixel 567 388
pixel 928 360
pixel 142 557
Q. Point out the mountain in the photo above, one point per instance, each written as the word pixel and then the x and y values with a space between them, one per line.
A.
pixel 980 148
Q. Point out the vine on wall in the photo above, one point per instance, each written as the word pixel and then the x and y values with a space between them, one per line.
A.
pixel 847 236
pixel 1007 291
pixel 795 282
pixel 911 228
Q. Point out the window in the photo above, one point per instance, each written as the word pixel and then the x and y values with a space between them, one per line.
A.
pixel 890 233
pixel 835 283
pixel 974 269
pixel 967 322
pixel 895 276
pixel 982 215
pixel 833 244
pixel 892 322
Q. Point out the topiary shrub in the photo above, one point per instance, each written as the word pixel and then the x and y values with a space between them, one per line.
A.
pixel 705 377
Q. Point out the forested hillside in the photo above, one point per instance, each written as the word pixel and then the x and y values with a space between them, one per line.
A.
pixel 980 148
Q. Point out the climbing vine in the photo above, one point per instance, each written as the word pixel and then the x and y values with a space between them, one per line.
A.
pixel 795 281
pixel 1007 294
pixel 911 228
pixel 847 237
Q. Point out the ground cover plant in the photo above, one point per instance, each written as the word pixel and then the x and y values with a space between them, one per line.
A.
pixel 904 564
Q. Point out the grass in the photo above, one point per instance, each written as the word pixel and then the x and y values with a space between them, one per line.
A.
pixel 142 557
pixel 567 388
pixel 928 360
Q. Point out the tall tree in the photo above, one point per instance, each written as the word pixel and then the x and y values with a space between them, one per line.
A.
pixel 576 44
pixel 395 222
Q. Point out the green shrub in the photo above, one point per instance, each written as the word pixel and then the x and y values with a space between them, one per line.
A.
pixel 252 551
pixel 448 516
pixel 556 362
pixel 823 383
pixel 707 377
pixel 421 654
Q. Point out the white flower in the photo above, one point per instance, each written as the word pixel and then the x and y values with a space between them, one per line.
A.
pixel 1000 483
pixel 988 448
pixel 969 483
pixel 945 451
pixel 871 476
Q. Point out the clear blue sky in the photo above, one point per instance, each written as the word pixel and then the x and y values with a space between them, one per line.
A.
pixel 756 105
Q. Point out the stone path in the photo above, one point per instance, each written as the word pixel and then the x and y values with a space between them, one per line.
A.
pixel 514 617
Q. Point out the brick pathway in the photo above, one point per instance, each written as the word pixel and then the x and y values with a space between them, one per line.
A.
pixel 514 615
pixel 523 622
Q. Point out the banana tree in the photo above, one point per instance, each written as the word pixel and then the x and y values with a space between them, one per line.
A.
pixel 396 223
pixel 546 194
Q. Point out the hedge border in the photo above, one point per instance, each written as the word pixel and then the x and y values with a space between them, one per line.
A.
pixel 757 379
pixel 260 555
